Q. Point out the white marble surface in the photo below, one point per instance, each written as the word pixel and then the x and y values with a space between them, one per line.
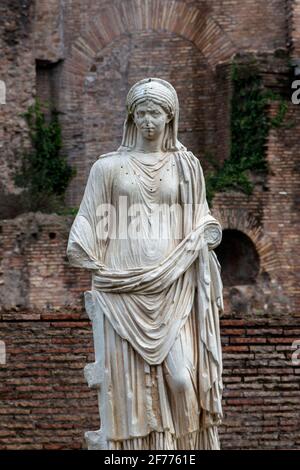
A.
pixel 156 292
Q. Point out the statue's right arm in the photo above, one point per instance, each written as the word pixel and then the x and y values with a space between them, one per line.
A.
pixel 84 249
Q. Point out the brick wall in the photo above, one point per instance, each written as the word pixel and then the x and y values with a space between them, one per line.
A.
pixel 109 48
pixel 281 208
pixel 116 68
pixel 293 27
pixel 34 270
pixel 262 387
pixel 70 35
pixel 46 404
pixel 81 48
pixel 17 70
pixel 253 25
pixel 269 217
pixel 49 30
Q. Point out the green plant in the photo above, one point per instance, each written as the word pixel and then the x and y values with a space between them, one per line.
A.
pixel 250 126
pixel 44 173
pixel 68 211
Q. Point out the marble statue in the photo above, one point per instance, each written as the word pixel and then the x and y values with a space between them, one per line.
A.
pixel 145 232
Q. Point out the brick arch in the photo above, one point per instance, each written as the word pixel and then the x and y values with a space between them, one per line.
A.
pixel 172 16
pixel 235 219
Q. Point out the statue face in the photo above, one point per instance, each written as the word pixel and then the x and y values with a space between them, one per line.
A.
pixel 150 119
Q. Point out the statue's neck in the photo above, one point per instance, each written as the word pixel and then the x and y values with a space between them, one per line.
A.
pixel 147 152
pixel 148 146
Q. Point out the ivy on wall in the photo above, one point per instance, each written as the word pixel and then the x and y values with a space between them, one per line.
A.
pixel 44 173
pixel 250 125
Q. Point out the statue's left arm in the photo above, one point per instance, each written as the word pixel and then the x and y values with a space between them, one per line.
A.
pixel 213 234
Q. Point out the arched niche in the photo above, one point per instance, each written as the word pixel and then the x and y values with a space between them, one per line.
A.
pixel 239 259
pixel 139 23
pixel 114 69
pixel 131 58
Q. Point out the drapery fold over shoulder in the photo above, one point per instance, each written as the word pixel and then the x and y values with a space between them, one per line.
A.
pixel 149 305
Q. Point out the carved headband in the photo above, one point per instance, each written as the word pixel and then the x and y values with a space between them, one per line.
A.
pixel 154 89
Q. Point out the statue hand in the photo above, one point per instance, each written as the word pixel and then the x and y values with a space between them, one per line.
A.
pixel 213 236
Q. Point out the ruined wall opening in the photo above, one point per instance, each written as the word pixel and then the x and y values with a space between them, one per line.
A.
pixel 48 77
pixel 133 57
pixel 239 259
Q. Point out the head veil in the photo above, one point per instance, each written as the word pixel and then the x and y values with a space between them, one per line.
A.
pixel 160 92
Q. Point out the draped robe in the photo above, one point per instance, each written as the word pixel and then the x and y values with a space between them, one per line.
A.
pixel 160 299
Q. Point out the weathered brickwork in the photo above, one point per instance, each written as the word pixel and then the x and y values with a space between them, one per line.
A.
pixel 46 403
pixel 70 34
pixel 281 209
pixel 262 387
pixel 83 56
pixel 42 385
pixel 116 68
pixel 17 70
pixel 49 31
pixel 293 23
pixel 270 216
pixel 34 270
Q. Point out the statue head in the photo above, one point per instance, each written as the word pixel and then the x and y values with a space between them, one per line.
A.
pixel 162 97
